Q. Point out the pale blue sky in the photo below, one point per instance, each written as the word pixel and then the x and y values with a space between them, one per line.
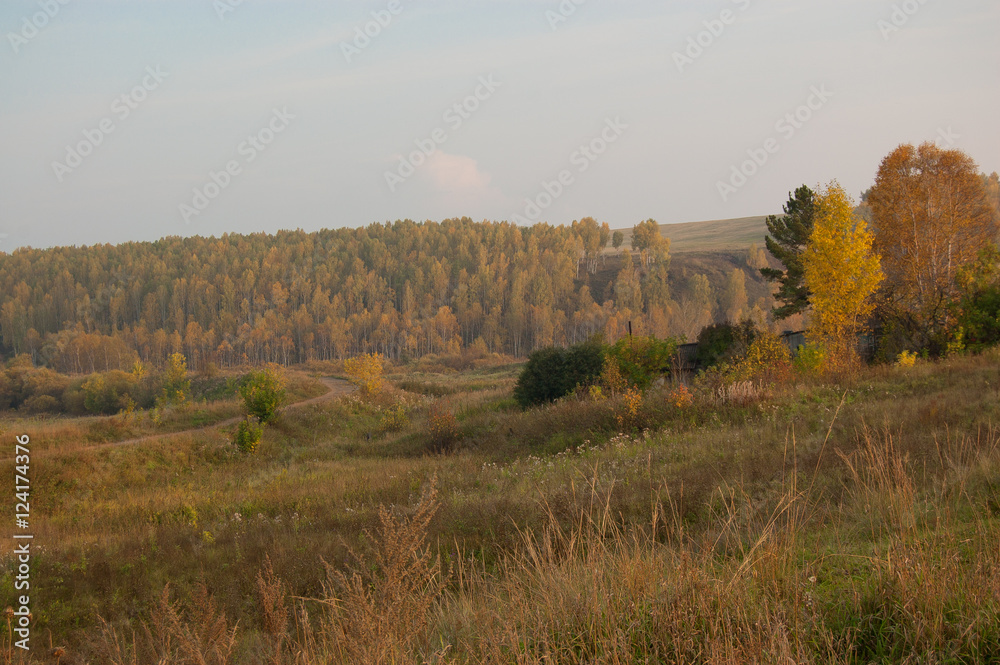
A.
pixel 558 88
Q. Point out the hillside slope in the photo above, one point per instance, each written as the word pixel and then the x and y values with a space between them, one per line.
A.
pixel 711 236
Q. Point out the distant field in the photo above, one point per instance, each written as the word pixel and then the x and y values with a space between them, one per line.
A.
pixel 712 236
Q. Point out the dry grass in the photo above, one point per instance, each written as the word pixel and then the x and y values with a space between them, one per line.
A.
pixel 812 524
pixel 379 612
pixel 199 636
pixel 595 590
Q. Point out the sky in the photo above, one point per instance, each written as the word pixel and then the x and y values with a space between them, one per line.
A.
pixel 127 120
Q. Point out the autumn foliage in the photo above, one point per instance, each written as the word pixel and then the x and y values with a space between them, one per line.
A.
pixel 931 217
pixel 365 371
pixel 248 434
pixel 263 393
pixel 842 271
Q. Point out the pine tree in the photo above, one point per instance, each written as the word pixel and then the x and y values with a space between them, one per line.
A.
pixel 789 235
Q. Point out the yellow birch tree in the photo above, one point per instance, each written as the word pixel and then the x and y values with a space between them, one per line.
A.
pixel 365 371
pixel 842 271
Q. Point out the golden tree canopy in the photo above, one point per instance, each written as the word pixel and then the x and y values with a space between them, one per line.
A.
pixel 931 215
pixel 841 268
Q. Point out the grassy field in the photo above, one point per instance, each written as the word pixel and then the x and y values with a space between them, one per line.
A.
pixel 714 236
pixel 854 521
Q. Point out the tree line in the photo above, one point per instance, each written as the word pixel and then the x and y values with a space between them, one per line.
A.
pixel 401 289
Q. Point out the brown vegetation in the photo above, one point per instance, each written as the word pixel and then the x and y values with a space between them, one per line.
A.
pixel 805 521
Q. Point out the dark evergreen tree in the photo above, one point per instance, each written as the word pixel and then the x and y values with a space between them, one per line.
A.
pixel 789 235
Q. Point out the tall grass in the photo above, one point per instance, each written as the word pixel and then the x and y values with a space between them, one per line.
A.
pixel 761 587
pixel 811 525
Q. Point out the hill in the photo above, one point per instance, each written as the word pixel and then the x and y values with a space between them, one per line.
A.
pixel 712 236
pixel 404 289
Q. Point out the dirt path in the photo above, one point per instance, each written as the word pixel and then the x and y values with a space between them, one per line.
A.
pixel 337 388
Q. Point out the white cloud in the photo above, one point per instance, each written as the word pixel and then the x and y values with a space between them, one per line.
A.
pixel 457 181
pixel 456 173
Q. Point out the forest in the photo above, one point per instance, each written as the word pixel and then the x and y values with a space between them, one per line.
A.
pixel 403 289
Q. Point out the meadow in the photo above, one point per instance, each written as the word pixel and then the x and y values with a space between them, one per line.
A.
pixel 720 235
pixel 846 520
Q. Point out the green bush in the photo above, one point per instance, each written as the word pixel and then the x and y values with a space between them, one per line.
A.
pixel 248 434
pixel 263 393
pixel 977 312
pixel 722 342
pixel 810 359
pixel 105 393
pixel 394 419
pixel 73 397
pixel 642 359
pixel 553 372
pixel 176 386
pixel 979 319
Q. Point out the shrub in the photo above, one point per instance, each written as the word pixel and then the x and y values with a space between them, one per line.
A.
pixel 43 381
pixel 443 428
pixel 22 381
pixel 627 413
pixel 767 360
pixel 106 393
pixel 980 318
pixel 248 434
pixel 552 372
pixel 810 359
pixel 722 342
pixel 977 312
pixel 263 393
pixel 365 371
pixel 680 397
pixel 175 383
pixel 906 359
pixel 643 359
pixel 73 397
pixel 542 379
pixel 584 362
pixel 41 404
pixel 393 419
pixel 612 378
